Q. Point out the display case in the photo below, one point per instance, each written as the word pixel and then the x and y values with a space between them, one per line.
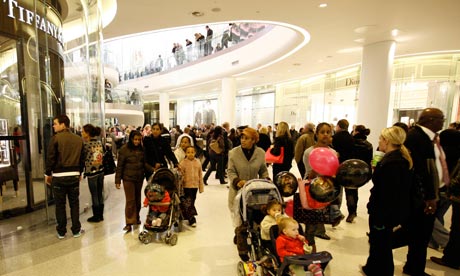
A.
pixel 4 145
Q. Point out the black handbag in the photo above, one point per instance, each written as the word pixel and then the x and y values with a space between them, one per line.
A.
pixel 109 163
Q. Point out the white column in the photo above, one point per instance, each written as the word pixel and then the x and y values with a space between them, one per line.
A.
pixel 374 88
pixel 227 102
pixel 164 109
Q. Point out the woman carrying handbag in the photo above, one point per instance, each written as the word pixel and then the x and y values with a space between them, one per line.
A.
pixel 283 142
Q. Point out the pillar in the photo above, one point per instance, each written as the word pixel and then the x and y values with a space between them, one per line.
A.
pixel 374 88
pixel 164 109
pixel 227 101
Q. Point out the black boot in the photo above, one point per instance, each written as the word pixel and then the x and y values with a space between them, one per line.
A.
pixel 101 212
pixel 95 217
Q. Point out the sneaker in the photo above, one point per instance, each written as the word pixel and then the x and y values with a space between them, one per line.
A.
pixel 79 233
pixel 193 224
pixel 59 236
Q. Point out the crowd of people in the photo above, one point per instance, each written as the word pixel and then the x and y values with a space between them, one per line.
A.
pixel 414 184
pixel 204 44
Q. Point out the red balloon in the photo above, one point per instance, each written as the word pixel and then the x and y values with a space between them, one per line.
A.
pixel 324 161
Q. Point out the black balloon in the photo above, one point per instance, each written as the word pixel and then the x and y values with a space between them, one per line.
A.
pixel 353 173
pixel 323 189
pixel 286 183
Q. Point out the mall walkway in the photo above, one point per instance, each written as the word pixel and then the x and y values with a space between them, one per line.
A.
pixel 204 250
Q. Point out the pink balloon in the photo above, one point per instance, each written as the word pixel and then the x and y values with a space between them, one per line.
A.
pixel 324 161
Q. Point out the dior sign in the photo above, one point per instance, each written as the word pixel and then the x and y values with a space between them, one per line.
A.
pixel 24 15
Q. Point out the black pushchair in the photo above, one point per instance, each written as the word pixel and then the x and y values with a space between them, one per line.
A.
pixel 257 259
pixel 247 214
pixel 172 218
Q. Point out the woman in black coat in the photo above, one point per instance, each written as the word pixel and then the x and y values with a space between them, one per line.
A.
pixel 264 140
pixel 283 139
pixel 389 201
pixel 157 150
pixel 362 150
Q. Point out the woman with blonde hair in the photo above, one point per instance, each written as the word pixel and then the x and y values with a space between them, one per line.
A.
pixel 283 140
pixel 390 199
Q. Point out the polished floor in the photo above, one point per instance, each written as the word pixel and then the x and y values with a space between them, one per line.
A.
pixel 30 248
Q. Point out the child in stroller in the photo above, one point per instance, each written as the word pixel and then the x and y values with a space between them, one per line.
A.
pixel 256 258
pixel 158 200
pixel 161 196
pixel 291 243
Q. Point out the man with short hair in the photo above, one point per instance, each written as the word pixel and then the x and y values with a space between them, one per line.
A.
pixel 64 166
pixel 208 43
pixel 342 142
pixel 422 144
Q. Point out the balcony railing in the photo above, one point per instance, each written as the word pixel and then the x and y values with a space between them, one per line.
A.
pixel 134 62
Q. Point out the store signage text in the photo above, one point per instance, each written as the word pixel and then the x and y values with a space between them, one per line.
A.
pixel 351 81
pixel 24 15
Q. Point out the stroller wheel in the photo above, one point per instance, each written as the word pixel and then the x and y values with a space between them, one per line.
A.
pixel 241 268
pixel 145 237
pixel 148 238
pixel 141 236
pixel 179 225
pixel 168 237
pixel 173 240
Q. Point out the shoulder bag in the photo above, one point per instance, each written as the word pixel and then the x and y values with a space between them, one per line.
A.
pixel 275 159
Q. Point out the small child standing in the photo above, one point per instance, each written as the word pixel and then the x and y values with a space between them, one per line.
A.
pixel 291 243
pixel 192 182
pixel 158 199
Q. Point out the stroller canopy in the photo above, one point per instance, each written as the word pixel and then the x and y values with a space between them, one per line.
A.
pixel 254 194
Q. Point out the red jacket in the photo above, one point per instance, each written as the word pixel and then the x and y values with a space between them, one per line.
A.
pixel 286 246
pixel 159 208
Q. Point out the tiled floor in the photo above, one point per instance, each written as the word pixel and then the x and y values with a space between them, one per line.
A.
pixel 204 250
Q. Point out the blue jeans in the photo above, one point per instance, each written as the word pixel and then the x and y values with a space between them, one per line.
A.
pixel 67 186
pixel 96 186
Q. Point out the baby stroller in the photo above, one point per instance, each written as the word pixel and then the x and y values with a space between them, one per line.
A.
pixel 247 215
pixel 171 219
pixel 257 259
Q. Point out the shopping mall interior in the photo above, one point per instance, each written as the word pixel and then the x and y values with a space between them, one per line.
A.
pixel 114 62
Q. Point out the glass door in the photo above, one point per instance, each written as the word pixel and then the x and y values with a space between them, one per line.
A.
pixel 14 190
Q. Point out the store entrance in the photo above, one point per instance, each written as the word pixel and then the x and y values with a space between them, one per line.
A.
pixel 13 173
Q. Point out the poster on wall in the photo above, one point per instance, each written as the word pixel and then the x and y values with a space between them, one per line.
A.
pixel 205 112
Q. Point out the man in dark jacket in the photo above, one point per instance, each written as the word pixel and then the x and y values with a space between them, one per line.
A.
pixel 64 165
pixel 342 142
pixel 421 143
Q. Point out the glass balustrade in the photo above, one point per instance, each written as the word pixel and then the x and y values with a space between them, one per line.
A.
pixel 123 96
pixel 139 60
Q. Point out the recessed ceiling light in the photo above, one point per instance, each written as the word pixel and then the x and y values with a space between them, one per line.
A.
pixel 197 13
pixel 323 5
pixel 394 32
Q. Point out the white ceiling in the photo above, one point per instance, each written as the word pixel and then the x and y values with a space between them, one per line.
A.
pixel 337 32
